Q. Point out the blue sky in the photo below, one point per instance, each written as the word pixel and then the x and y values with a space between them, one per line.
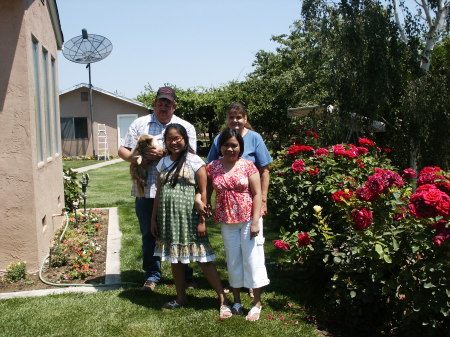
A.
pixel 188 43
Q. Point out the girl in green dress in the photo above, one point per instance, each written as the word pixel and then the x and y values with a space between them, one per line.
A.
pixel 181 235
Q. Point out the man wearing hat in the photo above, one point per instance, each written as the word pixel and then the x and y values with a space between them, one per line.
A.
pixel 155 125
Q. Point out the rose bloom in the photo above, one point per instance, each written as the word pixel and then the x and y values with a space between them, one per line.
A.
pixel 340 196
pixel 366 141
pixel 375 184
pixel 298 166
pixel 323 151
pixel 365 194
pixel 430 169
pixel 303 239
pixel 398 216
pixel 313 172
pixel 338 150
pixel 427 178
pixel 387 150
pixel 297 149
pixel 442 234
pixel 317 209
pixel 311 134
pixel 362 218
pixel 429 201
pixel 409 173
pixel 281 245
pixel 362 150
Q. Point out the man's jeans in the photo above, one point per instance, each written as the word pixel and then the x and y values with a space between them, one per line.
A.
pixel 151 264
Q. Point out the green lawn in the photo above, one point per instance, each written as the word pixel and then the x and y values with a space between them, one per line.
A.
pixel 77 163
pixel 132 312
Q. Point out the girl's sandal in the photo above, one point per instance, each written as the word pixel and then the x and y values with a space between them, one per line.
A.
pixel 171 305
pixel 253 314
pixel 237 309
pixel 225 312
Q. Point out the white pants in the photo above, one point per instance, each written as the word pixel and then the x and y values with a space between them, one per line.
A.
pixel 245 257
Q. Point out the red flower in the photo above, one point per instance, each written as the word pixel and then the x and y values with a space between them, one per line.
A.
pixel 362 150
pixel 297 149
pixel 299 127
pixel 430 169
pixel 408 173
pixel 314 171
pixel 303 239
pixel 365 194
pixel 281 245
pixel 387 150
pixel 362 218
pixel 365 142
pixel 340 196
pixel 398 216
pixel 429 201
pixel 298 166
pixel 442 233
pixel 375 184
pixel 323 151
pixel 311 134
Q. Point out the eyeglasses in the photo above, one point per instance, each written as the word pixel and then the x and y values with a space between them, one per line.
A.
pixel 175 139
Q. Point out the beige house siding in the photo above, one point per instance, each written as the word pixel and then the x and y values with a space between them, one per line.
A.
pixel 32 191
pixel 106 106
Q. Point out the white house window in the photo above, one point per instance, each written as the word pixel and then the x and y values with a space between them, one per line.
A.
pixel 37 102
pixel 74 128
pixel 55 108
pixel 47 99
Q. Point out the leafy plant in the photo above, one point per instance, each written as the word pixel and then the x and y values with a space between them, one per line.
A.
pixel 381 250
pixel 72 190
pixel 16 271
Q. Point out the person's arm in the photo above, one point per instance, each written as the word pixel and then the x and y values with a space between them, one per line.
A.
pixel 153 224
pixel 201 178
pixel 255 188
pixel 265 181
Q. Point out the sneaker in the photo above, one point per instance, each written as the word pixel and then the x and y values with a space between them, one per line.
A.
pixel 149 285
pixel 191 285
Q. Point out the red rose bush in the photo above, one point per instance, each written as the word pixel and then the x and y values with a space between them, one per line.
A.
pixel 375 237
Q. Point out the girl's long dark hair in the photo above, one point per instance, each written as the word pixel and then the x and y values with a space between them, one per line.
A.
pixel 178 164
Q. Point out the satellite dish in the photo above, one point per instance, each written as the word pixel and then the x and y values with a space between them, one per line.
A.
pixel 87 49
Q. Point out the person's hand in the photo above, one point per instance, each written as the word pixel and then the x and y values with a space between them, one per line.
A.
pixel 264 207
pixel 202 208
pixel 254 230
pixel 154 228
pixel 201 229
pixel 153 154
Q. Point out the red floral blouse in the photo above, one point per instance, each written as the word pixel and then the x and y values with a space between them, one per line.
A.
pixel 234 199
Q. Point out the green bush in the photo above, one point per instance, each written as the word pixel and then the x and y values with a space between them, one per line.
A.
pixel 72 190
pixel 16 271
pixel 378 250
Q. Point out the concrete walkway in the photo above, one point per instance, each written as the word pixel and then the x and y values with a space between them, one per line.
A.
pixel 112 272
pixel 100 164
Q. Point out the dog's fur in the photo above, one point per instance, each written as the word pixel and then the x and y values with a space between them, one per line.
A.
pixel 138 171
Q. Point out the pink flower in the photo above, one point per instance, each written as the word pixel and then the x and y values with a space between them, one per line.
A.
pixel 362 218
pixel 298 166
pixel 409 173
pixel 365 142
pixel 303 239
pixel 281 245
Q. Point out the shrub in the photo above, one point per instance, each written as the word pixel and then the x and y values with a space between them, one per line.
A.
pixel 72 190
pixel 16 271
pixel 379 250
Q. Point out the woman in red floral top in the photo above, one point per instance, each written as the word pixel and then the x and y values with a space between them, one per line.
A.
pixel 238 210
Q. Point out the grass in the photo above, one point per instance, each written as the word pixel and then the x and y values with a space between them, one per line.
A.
pixel 132 312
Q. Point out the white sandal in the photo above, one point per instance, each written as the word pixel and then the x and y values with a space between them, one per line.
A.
pixel 253 311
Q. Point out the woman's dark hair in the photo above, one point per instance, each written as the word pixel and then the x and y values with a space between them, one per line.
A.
pixel 228 133
pixel 239 108
pixel 178 164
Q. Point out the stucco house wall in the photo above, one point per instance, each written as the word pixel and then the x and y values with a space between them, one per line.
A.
pixel 32 193
pixel 106 106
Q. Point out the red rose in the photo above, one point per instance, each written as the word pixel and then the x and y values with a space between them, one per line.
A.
pixel 281 245
pixel 297 149
pixel 375 184
pixel 408 173
pixel 313 172
pixel 365 194
pixel 365 141
pixel 298 166
pixel 362 218
pixel 303 239
pixel 398 216
pixel 362 150
pixel 340 196
pixel 323 151
pixel 387 150
pixel 430 169
pixel 442 234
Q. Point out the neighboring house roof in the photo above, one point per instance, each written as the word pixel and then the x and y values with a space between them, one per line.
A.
pixel 103 91
pixel 54 15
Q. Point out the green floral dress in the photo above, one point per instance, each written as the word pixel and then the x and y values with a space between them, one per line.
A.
pixel 177 218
